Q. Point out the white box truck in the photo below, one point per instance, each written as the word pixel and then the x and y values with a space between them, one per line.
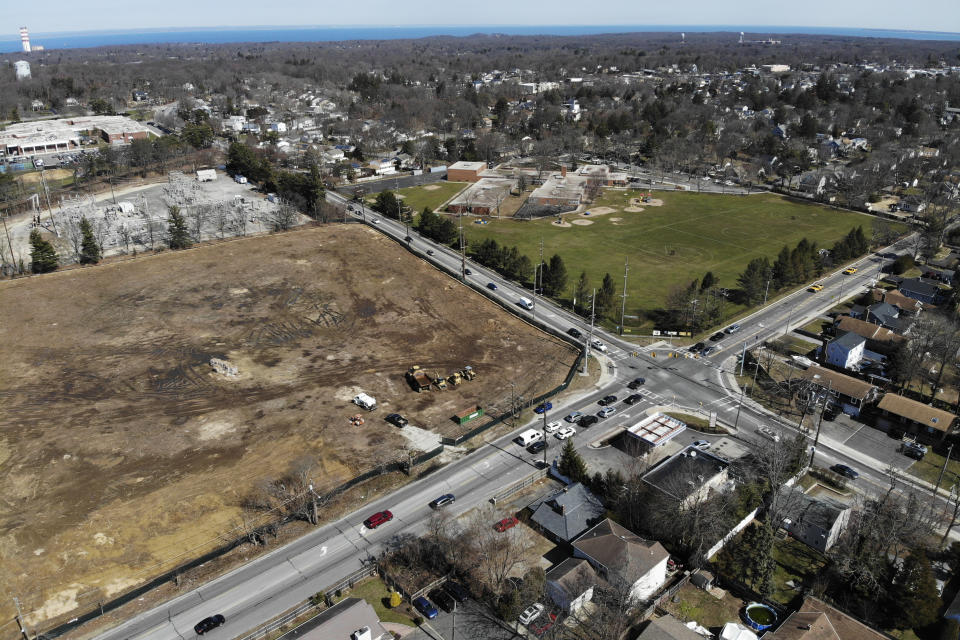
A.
pixel 526 303
pixel 528 437
pixel 365 402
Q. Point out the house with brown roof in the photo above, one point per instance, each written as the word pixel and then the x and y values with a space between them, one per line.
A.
pixel 906 304
pixel 621 557
pixel 570 584
pixel 850 393
pixel 879 339
pixel 668 628
pixel 816 620
pixel 922 420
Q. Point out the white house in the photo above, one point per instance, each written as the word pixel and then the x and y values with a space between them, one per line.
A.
pixel 234 123
pixel 619 555
pixel 570 584
pixel 278 127
pixel 382 166
pixel 846 351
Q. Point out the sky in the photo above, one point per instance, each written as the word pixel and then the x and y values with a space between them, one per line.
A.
pixel 46 16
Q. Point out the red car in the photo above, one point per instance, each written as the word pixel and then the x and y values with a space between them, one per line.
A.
pixel 506 523
pixel 378 519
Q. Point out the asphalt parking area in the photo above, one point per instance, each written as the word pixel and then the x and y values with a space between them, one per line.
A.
pixel 877 445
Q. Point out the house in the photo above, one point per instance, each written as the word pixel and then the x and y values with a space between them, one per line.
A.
pixel 884 314
pixel 816 620
pixel 922 289
pixel 780 131
pixel 668 628
pixel 813 183
pixel 941 275
pixel 567 513
pixel 912 204
pixel 570 584
pixel 349 619
pixel 914 417
pixel 816 522
pixel 278 127
pixel 465 171
pixel 851 394
pixel 689 476
pixel 879 339
pixel 905 304
pixel 846 351
pixel 382 166
pixel 621 557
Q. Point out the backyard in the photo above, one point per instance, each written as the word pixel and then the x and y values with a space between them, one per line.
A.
pixel 662 239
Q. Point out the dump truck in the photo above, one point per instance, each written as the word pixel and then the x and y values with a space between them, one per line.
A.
pixel 440 381
pixel 455 378
pixel 418 379
pixel 468 373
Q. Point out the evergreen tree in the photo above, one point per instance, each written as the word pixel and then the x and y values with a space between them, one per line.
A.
pixel 753 279
pixel 389 205
pixel 572 465
pixel 783 275
pixel 177 235
pixel 556 280
pixel 89 249
pixel 914 599
pixel 581 294
pixel 605 296
pixel 43 257
pixel 709 281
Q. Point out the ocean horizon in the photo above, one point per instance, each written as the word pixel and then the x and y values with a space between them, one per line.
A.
pixel 226 35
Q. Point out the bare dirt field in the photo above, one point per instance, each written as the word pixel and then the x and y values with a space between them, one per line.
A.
pixel 122 452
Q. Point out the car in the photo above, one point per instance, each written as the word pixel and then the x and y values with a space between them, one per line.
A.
pixel 588 421
pixel 457 590
pixel 543 407
pixel 375 221
pixel 606 412
pixel 553 426
pixel 537 446
pixel 598 345
pixel 706 351
pixel 566 432
pixel 574 333
pixel 208 624
pixel 377 519
pixel 442 600
pixel 914 452
pixel 507 523
pixel 718 336
pixel 814 288
pixel 442 501
pixel 632 399
pixel 830 414
pixel 573 416
pixel 637 383
pixel 845 471
pixel 767 432
pixel 606 400
pixel 531 613
pixel 408 239
pixel 697 348
pixel 542 625
pixel 701 444
pixel 492 286
pixel 397 420
pixel 850 271
pixel 425 607
pixel 732 328
pixel 429 252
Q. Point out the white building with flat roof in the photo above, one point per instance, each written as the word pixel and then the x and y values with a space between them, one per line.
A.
pixel 656 430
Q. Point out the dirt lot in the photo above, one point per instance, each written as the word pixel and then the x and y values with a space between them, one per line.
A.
pixel 122 452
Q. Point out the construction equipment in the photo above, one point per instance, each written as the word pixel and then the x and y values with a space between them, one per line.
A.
pixel 418 379
pixel 455 378
pixel 439 381
pixel 469 414
pixel 468 373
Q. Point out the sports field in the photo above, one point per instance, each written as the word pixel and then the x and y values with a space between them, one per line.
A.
pixel 429 195
pixel 671 240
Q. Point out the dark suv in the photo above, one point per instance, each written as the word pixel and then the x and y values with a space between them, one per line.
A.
pixel 574 333
pixel 588 421
pixel 606 400
pixel 636 383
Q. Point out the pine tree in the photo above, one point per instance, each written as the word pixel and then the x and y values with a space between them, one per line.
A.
pixel 605 295
pixel 178 236
pixel 709 281
pixel 581 293
pixel 753 279
pixel 914 597
pixel 43 257
pixel 556 280
pixel 89 249
pixel 572 465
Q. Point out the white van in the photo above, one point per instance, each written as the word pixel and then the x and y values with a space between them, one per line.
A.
pixel 528 437
pixel 526 303
pixel 365 401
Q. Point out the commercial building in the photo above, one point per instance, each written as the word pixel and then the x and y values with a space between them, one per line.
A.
pixel 689 476
pixel 482 198
pixel 51 136
pixel 465 171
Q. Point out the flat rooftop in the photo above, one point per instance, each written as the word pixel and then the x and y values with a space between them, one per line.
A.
pixel 684 473
pixel 657 429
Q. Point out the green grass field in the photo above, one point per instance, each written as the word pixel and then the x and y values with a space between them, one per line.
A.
pixel 429 195
pixel 672 244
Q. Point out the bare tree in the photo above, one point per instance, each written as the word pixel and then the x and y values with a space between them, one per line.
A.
pixel 283 217
pixel 238 221
pixel 496 554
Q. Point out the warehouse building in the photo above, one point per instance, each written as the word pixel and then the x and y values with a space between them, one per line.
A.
pixel 53 136
pixel 465 171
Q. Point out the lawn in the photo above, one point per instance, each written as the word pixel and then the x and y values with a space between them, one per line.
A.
pixel 375 592
pixel 672 244
pixel 429 195
pixel 795 562
pixel 929 469
pixel 691 603
pixel 816 327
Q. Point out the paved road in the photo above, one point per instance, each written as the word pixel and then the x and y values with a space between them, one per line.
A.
pixel 271 584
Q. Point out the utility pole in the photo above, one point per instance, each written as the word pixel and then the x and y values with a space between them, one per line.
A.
pixel 933 496
pixel 13 258
pixel 623 297
pixel 816 438
pixel 545 433
pixel 539 270
pixel 463 255
pixel 46 193
pixel 765 292
pixel 586 353
pixel 23 626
